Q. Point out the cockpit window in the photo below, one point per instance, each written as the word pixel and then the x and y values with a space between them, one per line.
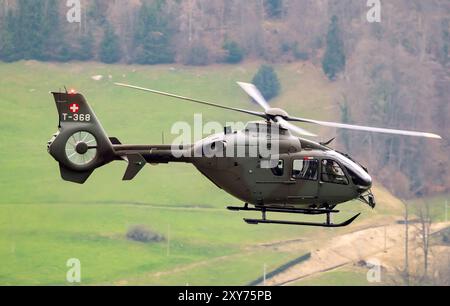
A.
pixel 333 173
pixel 351 165
pixel 357 180
pixel 305 169
pixel 278 170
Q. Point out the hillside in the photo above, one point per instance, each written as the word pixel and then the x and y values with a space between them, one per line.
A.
pixel 393 73
pixel 46 221
pixel 29 110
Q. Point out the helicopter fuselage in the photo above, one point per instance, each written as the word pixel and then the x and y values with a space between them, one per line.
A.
pixel 263 164
pixel 300 173
pixel 303 174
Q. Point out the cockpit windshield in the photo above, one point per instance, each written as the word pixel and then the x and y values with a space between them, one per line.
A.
pixel 359 175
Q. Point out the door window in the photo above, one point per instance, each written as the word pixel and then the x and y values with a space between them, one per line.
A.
pixel 305 169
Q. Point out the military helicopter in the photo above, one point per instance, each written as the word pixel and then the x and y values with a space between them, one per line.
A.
pixel 301 177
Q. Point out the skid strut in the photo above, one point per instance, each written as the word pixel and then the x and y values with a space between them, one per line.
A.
pixel 264 219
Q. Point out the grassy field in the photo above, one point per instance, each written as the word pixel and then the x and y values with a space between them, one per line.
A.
pixel 345 276
pixel 45 221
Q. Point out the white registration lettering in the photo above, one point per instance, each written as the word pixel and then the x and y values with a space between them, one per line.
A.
pixel 82 117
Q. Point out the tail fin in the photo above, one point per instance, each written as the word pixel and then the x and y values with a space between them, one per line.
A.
pixel 81 144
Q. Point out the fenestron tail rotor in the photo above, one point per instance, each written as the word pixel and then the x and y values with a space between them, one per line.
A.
pixel 282 118
pixel 81 148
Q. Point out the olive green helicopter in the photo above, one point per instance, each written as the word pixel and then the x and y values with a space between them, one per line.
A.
pixel 266 165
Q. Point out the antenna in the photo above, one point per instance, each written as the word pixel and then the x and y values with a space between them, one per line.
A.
pixel 66 89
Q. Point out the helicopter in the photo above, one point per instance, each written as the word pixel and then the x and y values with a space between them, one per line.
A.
pixel 300 177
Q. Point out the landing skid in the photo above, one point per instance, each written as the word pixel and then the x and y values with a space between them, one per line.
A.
pixel 306 211
pixel 265 221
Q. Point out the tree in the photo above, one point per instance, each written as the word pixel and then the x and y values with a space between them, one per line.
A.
pixel 98 12
pixel 345 118
pixel 424 234
pixel 110 48
pixel 334 59
pixel 274 8
pixel 445 39
pixel 234 53
pixel 405 273
pixel 31 29
pixel 197 55
pixel 267 82
pixel 84 49
pixel 153 32
pixel 54 41
pixel 8 50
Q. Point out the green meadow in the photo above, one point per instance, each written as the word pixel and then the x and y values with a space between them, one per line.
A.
pixel 45 221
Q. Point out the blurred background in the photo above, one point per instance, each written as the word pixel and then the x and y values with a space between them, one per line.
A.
pixel 375 63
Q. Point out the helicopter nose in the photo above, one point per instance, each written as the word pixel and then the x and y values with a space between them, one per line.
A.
pixel 364 183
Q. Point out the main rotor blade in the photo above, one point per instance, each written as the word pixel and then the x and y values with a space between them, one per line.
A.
pixel 287 125
pixel 256 95
pixel 366 128
pixel 249 112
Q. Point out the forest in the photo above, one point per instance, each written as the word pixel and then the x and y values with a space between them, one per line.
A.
pixel 394 73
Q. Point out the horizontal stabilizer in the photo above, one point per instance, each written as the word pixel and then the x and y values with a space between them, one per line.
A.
pixel 115 141
pixel 135 164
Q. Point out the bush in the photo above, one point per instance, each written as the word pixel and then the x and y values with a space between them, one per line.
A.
pixel 234 53
pixel 446 239
pixel 197 56
pixel 274 8
pixel 143 234
pixel 299 53
pixel 267 82
pixel 286 47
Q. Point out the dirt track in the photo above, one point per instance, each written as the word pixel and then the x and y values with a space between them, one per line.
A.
pixel 349 248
